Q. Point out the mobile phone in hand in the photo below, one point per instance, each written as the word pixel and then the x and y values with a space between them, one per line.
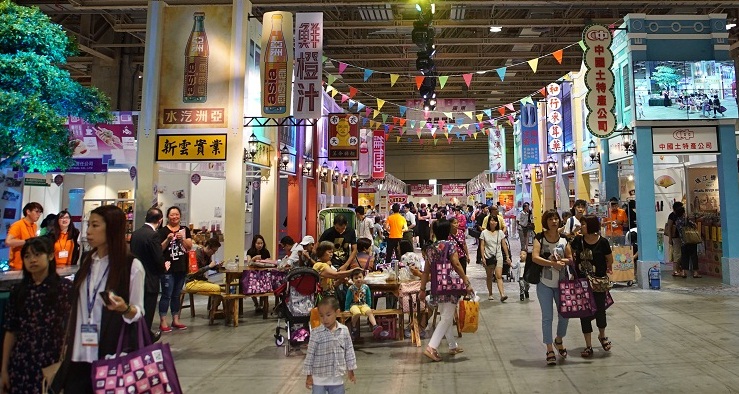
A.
pixel 105 295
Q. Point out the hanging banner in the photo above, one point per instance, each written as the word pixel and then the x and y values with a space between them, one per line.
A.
pixel 378 154
pixel 191 147
pixel 277 64
pixel 529 134
pixel 422 190
pixel 555 133
pixel 364 166
pixel 193 90
pixel 454 190
pixel 496 149
pixel 343 137
pixel 567 132
pixel 599 80
pixel 309 65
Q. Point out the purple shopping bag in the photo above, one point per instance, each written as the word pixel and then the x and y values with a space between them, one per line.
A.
pixel 444 279
pixel 256 282
pixel 576 297
pixel 150 369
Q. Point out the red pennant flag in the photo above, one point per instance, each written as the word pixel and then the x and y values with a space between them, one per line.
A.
pixel 402 121
pixel 387 135
pixel 352 92
pixel 395 120
pixel 558 55
pixel 419 81
pixel 467 79
pixel 543 92
pixel 501 110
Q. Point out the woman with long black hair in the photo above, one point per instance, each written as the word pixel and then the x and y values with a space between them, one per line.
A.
pixel 176 242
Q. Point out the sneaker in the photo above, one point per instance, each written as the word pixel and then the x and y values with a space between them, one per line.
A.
pixel 407 332
pixel 423 334
pixel 376 331
pixel 502 299
pixel 179 326
pixel 521 296
pixel 165 329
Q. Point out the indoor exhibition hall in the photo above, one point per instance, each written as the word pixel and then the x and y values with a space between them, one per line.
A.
pixel 369 196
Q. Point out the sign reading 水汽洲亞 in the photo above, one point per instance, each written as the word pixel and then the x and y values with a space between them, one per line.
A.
pixel 684 140
pixel 309 65
pixel 343 134
pixel 599 81
pixel 191 147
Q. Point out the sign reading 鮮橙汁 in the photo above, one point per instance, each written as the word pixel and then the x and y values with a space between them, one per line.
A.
pixel 599 81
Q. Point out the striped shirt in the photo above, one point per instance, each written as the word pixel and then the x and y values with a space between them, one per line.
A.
pixel 330 353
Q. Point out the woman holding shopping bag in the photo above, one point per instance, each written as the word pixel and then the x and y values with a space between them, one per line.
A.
pixel 552 253
pixel 108 292
pixel 439 255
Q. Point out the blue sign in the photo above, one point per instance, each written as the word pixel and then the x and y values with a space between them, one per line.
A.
pixel 529 134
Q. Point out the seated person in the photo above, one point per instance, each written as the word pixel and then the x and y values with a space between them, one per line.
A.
pixel 415 264
pixel 330 277
pixel 298 255
pixel 258 250
pixel 198 281
pixel 365 258
pixel 358 298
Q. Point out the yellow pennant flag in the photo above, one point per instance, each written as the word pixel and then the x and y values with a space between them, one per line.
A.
pixel 448 115
pixel 397 139
pixel 380 103
pixel 475 135
pixel 446 135
pixel 435 141
pixel 393 79
pixel 372 124
pixel 375 113
pixel 334 92
pixel 534 63
pixel 479 117
pixel 468 114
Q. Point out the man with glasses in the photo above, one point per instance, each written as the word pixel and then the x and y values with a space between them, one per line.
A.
pixel 22 230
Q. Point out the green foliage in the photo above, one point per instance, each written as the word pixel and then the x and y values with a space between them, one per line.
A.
pixel 665 77
pixel 35 94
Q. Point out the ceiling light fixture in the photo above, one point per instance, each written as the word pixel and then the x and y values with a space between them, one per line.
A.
pixel 496 29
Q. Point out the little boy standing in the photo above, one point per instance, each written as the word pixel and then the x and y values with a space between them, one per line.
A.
pixel 330 352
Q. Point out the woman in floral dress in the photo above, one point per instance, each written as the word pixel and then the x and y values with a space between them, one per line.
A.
pixel 439 252
pixel 35 320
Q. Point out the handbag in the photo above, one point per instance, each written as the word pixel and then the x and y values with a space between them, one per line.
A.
pixel 256 282
pixel 600 284
pixel 609 300
pixel 575 297
pixel 444 278
pixel 469 313
pixel 149 369
pixel 690 235
pixel 49 373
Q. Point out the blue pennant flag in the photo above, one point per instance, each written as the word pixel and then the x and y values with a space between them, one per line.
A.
pixel 457 135
pixel 449 127
pixel 501 73
pixel 360 106
pixel 459 121
pixel 402 110
pixel 464 137
pixel 351 103
pixel 488 112
pixel 387 128
pixel 367 74
pixel 364 121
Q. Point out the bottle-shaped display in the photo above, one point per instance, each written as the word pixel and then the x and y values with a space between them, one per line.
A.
pixel 274 91
pixel 195 87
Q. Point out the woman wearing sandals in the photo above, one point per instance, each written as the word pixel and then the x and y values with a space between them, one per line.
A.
pixel 441 252
pixel 552 253
pixel 593 255
pixel 493 245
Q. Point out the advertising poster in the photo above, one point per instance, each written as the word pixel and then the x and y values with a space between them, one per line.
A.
pixel 507 196
pixel 702 190
pixel 277 64
pixel 366 199
pixel 343 137
pixel 378 154
pixel 11 198
pixel 113 141
pixel 309 65
pixel 364 166
pixel 422 190
pixel 529 134
pixel 194 81
pixel 454 190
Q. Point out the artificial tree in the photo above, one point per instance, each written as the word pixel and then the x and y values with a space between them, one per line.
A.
pixel 36 95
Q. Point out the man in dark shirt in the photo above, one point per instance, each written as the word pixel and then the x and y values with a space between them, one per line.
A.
pixel 344 240
pixel 146 246
pixel 198 281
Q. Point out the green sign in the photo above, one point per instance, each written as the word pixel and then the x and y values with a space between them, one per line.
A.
pixel 35 182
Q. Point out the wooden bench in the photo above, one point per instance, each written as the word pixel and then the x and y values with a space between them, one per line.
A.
pixel 192 294
pixel 398 313
pixel 230 307
pixel 264 301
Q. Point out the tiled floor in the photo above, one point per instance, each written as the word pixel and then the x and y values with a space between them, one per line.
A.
pixel 682 339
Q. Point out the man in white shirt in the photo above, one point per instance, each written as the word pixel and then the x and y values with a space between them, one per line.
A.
pixel 364 224
pixel 410 218
pixel 525 223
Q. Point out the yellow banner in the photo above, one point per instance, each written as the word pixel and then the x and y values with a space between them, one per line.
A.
pixel 191 147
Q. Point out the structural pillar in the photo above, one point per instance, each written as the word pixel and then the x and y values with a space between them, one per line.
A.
pixel 269 190
pixel 609 172
pixel 647 223
pixel 728 196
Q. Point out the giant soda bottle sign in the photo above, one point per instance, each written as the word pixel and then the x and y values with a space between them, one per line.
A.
pixel 195 86
pixel 277 64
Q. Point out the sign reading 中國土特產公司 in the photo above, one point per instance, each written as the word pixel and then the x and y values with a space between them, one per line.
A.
pixel 191 147
pixel 343 137
pixel 378 154
pixel 307 90
pixel 599 81
pixel 684 140
pixel 277 63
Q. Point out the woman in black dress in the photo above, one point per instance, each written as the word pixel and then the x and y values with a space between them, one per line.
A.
pixel 35 319
pixel 593 255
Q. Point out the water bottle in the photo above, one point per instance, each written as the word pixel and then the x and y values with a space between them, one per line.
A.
pixel 237 260
pixel 654 277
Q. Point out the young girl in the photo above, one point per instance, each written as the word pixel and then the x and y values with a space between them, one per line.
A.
pixel 35 319
pixel 330 352
pixel 493 245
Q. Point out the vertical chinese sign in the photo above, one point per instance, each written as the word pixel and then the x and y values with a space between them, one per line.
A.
pixel 599 81
pixel 343 137
pixel 529 134
pixel 308 56
pixel 496 149
pixel 555 133
pixel 277 64
pixel 378 154
pixel 194 81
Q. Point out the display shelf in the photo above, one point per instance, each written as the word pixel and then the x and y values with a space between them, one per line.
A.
pixel 88 205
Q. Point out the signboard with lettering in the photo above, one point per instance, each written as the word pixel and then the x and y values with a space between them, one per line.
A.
pixel 599 81
pixel 422 190
pixel 87 165
pixel 685 140
pixel 115 140
pixel 496 149
pixel 191 147
pixel 555 133
pixel 343 137
pixel 309 65
pixel 529 134
pixel 454 190
pixel 378 154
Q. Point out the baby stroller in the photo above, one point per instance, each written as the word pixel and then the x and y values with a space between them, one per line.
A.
pixel 295 299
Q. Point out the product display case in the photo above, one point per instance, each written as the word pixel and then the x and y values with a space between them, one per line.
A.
pixel 125 204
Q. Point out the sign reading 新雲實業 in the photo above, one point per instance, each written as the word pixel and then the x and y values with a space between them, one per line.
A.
pixel 191 147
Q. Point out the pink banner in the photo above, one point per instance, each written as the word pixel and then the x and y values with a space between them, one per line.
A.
pixel 378 154
pixel 454 190
pixel 422 190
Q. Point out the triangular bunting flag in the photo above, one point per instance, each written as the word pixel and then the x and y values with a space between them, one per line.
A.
pixel 441 123
pixel 331 78
pixel 397 139
pixel 422 124
pixel 446 135
pixel 464 138
pixel 413 124
pixel 342 67
pixel 418 133
pixel 475 135
pixel 367 74
pixel 387 131
pixel 449 115
pixel 380 103
pixel 393 79
pixel 501 72
pixel 395 120
pixel 501 110
pixel 479 117
pixel 329 88
pixel 352 103
pixel 442 80
pixel 387 136
pixel 468 114
pixel 364 121
pixel 435 141
pixel 352 91
pixel 543 92
pixel 375 113
pixel 334 92
pixel 401 130
pixel 582 45
pixel 449 127
pixel 510 120
pixel 510 106
pixel 558 55
pixel 402 110
pixel 372 124
pixel 419 81
pixel 344 98
pixel 449 140
pixel 360 106
pixel 367 112
pixel 467 79
pixel 384 118
pixel 457 134
pixel 488 112
pixel 533 63
pixel 402 122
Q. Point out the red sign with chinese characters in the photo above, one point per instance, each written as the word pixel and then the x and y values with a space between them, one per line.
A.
pixel 555 133
pixel 343 134
pixel 308 65
pixel 378 154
